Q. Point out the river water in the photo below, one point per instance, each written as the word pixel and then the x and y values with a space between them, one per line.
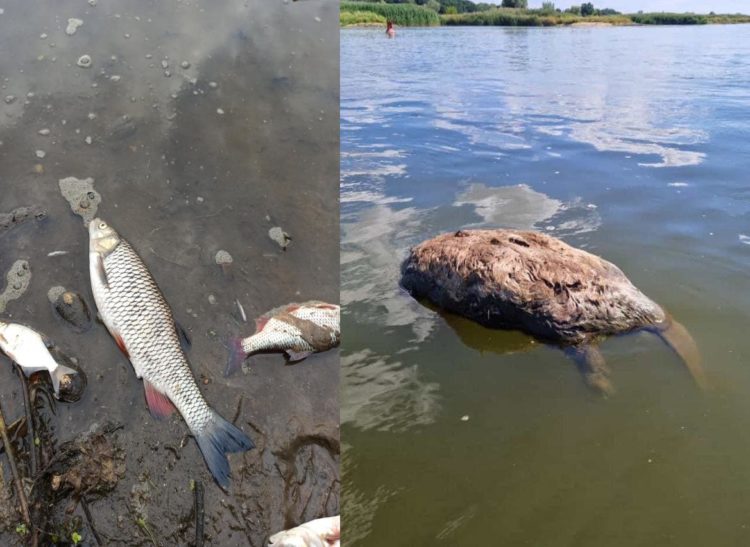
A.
pixel 632 143
pixel 203 124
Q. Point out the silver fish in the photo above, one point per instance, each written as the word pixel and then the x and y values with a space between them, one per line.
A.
pixel 296 329
pixel 325 532
pixel 140 320
pixel 31 351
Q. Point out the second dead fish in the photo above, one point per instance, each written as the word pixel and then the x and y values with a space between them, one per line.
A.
pixel 298 330
pixel 31 351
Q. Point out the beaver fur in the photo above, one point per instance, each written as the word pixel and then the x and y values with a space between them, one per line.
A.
pixel 513 279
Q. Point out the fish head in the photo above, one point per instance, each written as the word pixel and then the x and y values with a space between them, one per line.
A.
pixel 102 237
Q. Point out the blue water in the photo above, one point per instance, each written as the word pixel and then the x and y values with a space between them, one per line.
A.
pixel 633 143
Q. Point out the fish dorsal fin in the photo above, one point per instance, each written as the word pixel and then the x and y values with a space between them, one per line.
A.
pixel 158 403
pixel 184 337
pixel 101 273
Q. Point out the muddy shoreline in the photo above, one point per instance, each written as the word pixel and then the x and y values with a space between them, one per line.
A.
pixel 204 159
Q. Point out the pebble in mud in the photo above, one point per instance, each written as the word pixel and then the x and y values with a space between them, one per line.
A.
pixel 10 99
pixel 224 260
pixel 185 65
pixel 280 237
pixel 17 279
pixel 71 308
pixel 43 132
pixel 80 194
pixel 73 25
pixel 84 61
pixel 40 154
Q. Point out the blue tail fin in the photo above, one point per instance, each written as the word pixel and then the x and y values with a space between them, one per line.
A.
pixel 236 355
pixel 217 439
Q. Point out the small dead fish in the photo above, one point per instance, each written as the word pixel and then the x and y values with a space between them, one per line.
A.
pixel 325 532
pixel 31 351
pixel 298 330
pixel 139 319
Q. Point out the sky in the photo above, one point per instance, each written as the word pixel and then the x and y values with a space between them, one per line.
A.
pixel 631 6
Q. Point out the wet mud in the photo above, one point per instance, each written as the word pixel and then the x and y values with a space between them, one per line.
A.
pixel 236 135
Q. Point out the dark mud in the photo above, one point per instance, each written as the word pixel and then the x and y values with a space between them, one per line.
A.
pixel 188 161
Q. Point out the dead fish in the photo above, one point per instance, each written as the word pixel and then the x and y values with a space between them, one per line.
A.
pixel 31 351
pixel 138 317
pixel 325 532
pixel 299 330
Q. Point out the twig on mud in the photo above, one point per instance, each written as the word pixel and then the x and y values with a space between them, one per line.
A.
pixel 14 470
pixel 90 521
pixel 200 514
pixel 30 432
pixel 239 410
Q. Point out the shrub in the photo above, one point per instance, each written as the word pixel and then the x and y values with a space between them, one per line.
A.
pixel 347 18
pixel 406 15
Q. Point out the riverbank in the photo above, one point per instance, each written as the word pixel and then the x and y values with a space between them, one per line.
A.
pixel 408 15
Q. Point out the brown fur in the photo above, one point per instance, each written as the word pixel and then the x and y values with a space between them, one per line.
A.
pixel 538 284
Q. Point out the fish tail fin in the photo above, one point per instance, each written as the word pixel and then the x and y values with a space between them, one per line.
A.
pixel 218 438
pixel 57 376
pixel 677 337
pixel 236 356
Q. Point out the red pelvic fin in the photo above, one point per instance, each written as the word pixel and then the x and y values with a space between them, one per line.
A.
pixel 158 403
pixel 292 308
pixel 121 344
pixel 260 323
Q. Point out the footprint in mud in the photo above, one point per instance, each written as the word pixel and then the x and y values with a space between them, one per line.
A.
pixel 311 473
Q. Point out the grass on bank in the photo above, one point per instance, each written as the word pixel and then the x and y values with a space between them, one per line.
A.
pixel 405 15
pixel 411 15
pixel 355 18
pixel 524 18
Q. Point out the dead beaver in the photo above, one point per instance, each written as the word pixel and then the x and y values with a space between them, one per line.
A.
pixel 513 279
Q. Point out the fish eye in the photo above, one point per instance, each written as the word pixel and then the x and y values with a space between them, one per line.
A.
pixel 102 225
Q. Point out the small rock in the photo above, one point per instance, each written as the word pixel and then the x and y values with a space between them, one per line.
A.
pixel 185 64
pixel 44 132
pixel 280 237
pixel 10 99
pixel 465 418
pixel 115 78
pixel 213 85
pixel 220 111
pixel 40 154
pixel 92 2
pixel 167 73
pixel 199 199
pixel 43 36
pixel 165 64
pixel 149 56
pixel 72 309
pixel 212 299
pixel 84 61
pixel 73 25
pixel 127 36
pixel 223 258
pixel 87 140
pixel 91 116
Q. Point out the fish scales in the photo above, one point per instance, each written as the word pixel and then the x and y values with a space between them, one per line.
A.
pixel 144 321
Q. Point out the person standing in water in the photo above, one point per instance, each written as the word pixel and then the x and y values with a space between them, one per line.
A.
pixel 390 31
